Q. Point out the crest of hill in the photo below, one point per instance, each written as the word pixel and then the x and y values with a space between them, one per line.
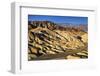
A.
pixel 51 25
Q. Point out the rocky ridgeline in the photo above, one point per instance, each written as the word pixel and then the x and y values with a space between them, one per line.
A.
pixel 47 40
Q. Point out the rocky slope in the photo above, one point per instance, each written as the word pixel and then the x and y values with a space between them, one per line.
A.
pixel 48 40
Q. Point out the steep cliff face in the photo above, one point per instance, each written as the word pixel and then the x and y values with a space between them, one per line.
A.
pixel 47 40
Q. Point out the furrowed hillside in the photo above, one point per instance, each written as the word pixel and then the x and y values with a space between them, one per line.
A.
pixel 48 40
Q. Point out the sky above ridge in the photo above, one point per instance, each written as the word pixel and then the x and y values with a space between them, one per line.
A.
pixel 59 19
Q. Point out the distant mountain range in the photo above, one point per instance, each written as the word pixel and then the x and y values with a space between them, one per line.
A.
pixel 71 24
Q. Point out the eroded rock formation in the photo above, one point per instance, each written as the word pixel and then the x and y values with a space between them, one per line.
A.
pixel 47 40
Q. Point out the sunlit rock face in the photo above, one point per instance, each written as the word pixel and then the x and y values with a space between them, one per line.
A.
pixel 48 40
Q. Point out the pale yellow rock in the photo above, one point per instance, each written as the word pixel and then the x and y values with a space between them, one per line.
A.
pixel 50 52
pixel 81 53
pixel 31 56
pixel 85 38
pixel 72 41
pixel 72 57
